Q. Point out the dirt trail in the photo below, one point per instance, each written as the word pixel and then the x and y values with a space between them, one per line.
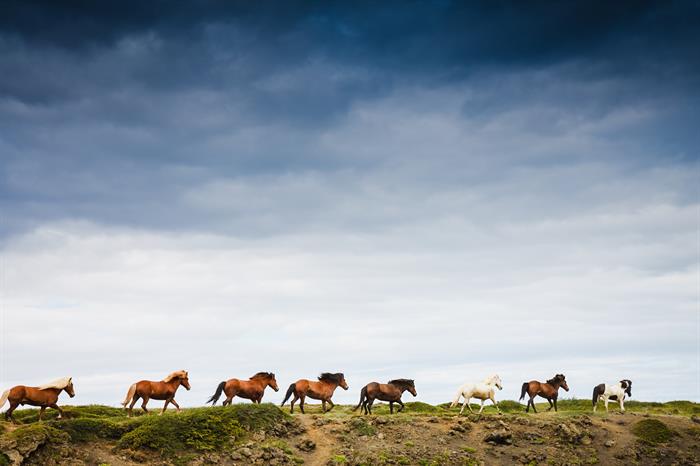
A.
pixel 324 445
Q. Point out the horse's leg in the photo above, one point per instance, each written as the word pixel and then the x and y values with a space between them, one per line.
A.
pixel 133 402
pixel 165 406
pixel 606 405
pixel 323 406
pixel 622 404
pixel 532 403
pixel 10 410
pixel 60 411
pixel 41 412
pixel 402 405
pixel 549 400
pixel 291 410
pixel 493 400
pixel 369 405
pixel 177 406
pixel 227 401
pixel 302 399
pixel 391 407
pixel 330 402
pixel 143 405
pixel 482 406
pixel 555 405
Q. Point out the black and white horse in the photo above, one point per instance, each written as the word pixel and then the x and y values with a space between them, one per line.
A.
pixel 616 392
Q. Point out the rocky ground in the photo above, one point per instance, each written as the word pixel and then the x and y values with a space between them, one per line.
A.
pixel 423 436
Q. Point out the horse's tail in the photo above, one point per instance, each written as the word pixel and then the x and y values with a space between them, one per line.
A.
pixel 129 395
pixel 523 391
pixel 456 399
pixel 363 396
pixel 597 391
pixel 217 394
pixel 290 390
pixel 3 398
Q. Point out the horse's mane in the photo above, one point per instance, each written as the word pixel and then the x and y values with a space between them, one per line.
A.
pixel 556 379
pixel 491 378
pixel 403 383
pixel 263 375
pixel 334 378
pixel 58 383
pixel 176 375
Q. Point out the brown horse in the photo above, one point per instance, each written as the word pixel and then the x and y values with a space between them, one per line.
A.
pixel 252 389
pixel 390 392
pixel 548 391
pixel 164 390
pixel 43 396
pixel 321 390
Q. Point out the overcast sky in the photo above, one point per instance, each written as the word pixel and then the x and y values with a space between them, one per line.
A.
pixel 426 190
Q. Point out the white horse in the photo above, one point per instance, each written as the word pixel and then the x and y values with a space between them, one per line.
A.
pixel 617 392
pixel 483 390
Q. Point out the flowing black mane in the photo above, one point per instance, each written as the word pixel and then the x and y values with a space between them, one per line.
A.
pixel 403 383
pixel 264 375
pixel 557 379
pixel 334 378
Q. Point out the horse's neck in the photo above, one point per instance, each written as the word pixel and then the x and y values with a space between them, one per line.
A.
pixel 331 385
pixel 173 384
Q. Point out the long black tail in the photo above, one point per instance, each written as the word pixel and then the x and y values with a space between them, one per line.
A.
pixel 523 391
pixel 217 394
pixel 290 390
pixel 363 396
pixel 597 391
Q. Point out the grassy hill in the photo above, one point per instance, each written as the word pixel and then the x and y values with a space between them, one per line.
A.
pixel 648 433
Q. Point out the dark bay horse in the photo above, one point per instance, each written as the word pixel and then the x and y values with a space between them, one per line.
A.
pixel 252 389
pixel 164 390
pixel 321 390
pixel 43 396
pixel 548 391
pixel 390 392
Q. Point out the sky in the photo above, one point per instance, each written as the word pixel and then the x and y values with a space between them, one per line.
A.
pixel 429 190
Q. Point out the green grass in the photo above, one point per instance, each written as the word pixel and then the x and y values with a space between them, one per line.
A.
pixel 652 431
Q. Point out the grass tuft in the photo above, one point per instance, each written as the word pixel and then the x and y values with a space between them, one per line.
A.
pixel 652 431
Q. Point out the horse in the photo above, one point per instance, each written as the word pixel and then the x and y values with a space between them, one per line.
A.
pixel 483 390
pixel 612 392
pixel 548 391
pixel 164 390
pixel 321 390
pixel 252 389
pixel 390 391
pixel 43 396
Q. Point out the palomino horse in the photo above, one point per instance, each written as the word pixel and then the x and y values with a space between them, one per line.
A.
pixel 612 392
pixel 164 390
pixel 253 389
pixel 390 392
pixel 483 391
pixel 321 390
pixel 548 391
pixel 43 396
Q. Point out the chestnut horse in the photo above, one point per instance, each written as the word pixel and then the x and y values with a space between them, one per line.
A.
pixel 252 389
pixel 164 390
pixel 43 396
pixel 390 392
pixel 548 391
pixel 321 390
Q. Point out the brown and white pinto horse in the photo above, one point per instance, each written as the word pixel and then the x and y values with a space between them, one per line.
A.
pixel 321 390
pixel 390 392
pixel 43 396
pixel 548 391
pixel 164 390
pixel 252 389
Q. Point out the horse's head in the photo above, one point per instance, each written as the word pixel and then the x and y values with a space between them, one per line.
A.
pixel 412 388
pixel 338 379
pixel 185 379
pixel 272 382
pixel 343 383
pixel 495 380
pixel 71 391
pixel 626 385
pixel 562 381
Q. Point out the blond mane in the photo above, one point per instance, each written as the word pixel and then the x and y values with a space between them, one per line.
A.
pixel 58 383
pixel 176 375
